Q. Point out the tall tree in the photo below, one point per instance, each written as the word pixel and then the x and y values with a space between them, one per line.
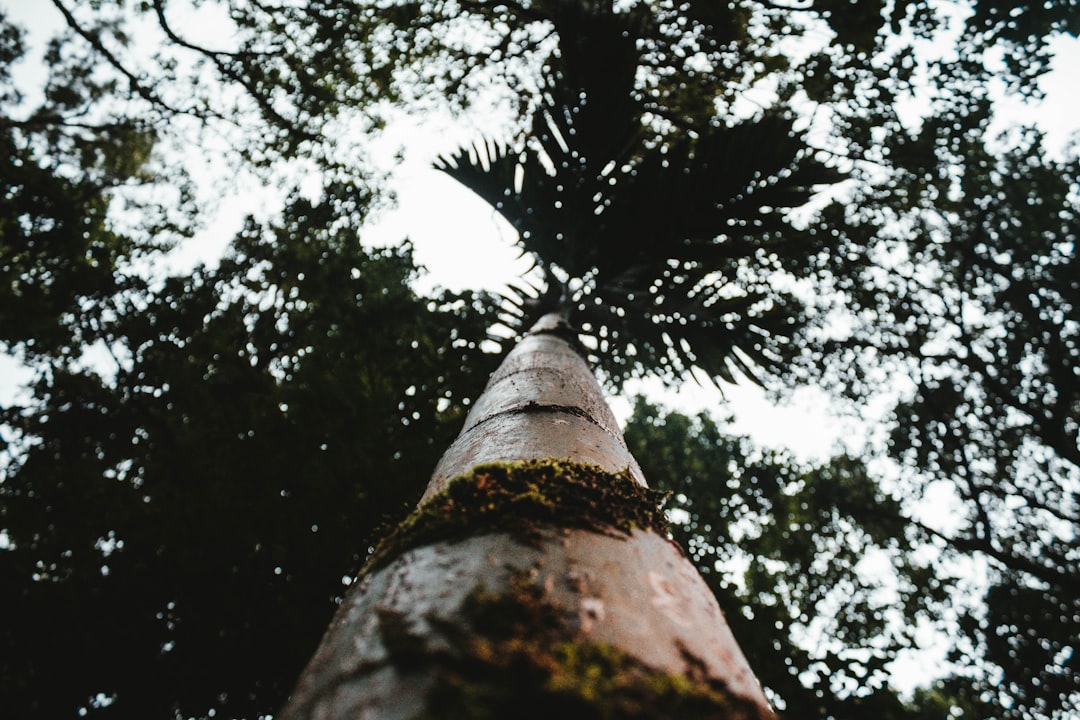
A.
pixel 535 577
pixel 601 628
pixel 301 79
pixel 574 186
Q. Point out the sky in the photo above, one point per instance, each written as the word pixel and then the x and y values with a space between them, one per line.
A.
pixel 462 243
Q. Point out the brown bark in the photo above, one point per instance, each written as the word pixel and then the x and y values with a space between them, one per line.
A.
pixel 542 402
pixel 597 621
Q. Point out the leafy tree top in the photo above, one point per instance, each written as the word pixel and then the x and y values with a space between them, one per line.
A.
pixel 658 237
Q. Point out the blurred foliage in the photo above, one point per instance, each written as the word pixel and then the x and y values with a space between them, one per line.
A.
pixel 961 281
pixel 785 548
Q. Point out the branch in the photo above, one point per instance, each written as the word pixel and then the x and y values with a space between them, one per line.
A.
pixel 809 7
pixel 1032 502
pixel 1054 576
pixel 229 72
pixel 218 58
pixel 483 8
pixel 159 10
pixel 49 120
pixel 134 82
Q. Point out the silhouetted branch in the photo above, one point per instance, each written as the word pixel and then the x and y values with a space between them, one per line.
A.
pixel 134 82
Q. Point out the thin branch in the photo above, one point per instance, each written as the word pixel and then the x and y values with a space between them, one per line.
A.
pixel 1060 577
pixel 159 10
pixel 219 60
pixel 134 82
pixel 1032 502
pixel 809 7
pixel 227 70
pixel 481 7
pixel 51 120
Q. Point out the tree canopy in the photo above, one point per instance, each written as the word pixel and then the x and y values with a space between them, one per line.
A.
pixel 976 310
pixel 178 523
pixel 792 192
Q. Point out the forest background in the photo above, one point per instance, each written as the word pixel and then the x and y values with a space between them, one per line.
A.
pixel 209 440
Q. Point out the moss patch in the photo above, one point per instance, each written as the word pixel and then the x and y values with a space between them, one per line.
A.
pixel 524 499
pixel 516 657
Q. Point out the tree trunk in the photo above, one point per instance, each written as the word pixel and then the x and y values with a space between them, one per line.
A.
pixel 533 578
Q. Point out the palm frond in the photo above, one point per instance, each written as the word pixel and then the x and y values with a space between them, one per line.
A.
pixel 656 230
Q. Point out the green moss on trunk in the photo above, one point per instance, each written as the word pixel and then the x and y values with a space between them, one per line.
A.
pixel 524 499
pixel 510 647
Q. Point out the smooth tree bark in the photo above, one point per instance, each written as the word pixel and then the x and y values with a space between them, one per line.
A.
pixel 534 577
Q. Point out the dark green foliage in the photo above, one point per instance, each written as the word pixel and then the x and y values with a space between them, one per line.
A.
pixel 55 249
pixel 176 534
pixel 62 164
pixel 975 305
pixel 660 290
pixel 856 23
pixel 1021 30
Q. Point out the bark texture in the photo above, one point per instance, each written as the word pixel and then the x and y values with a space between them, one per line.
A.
pixel 542 402
pixel 537 586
